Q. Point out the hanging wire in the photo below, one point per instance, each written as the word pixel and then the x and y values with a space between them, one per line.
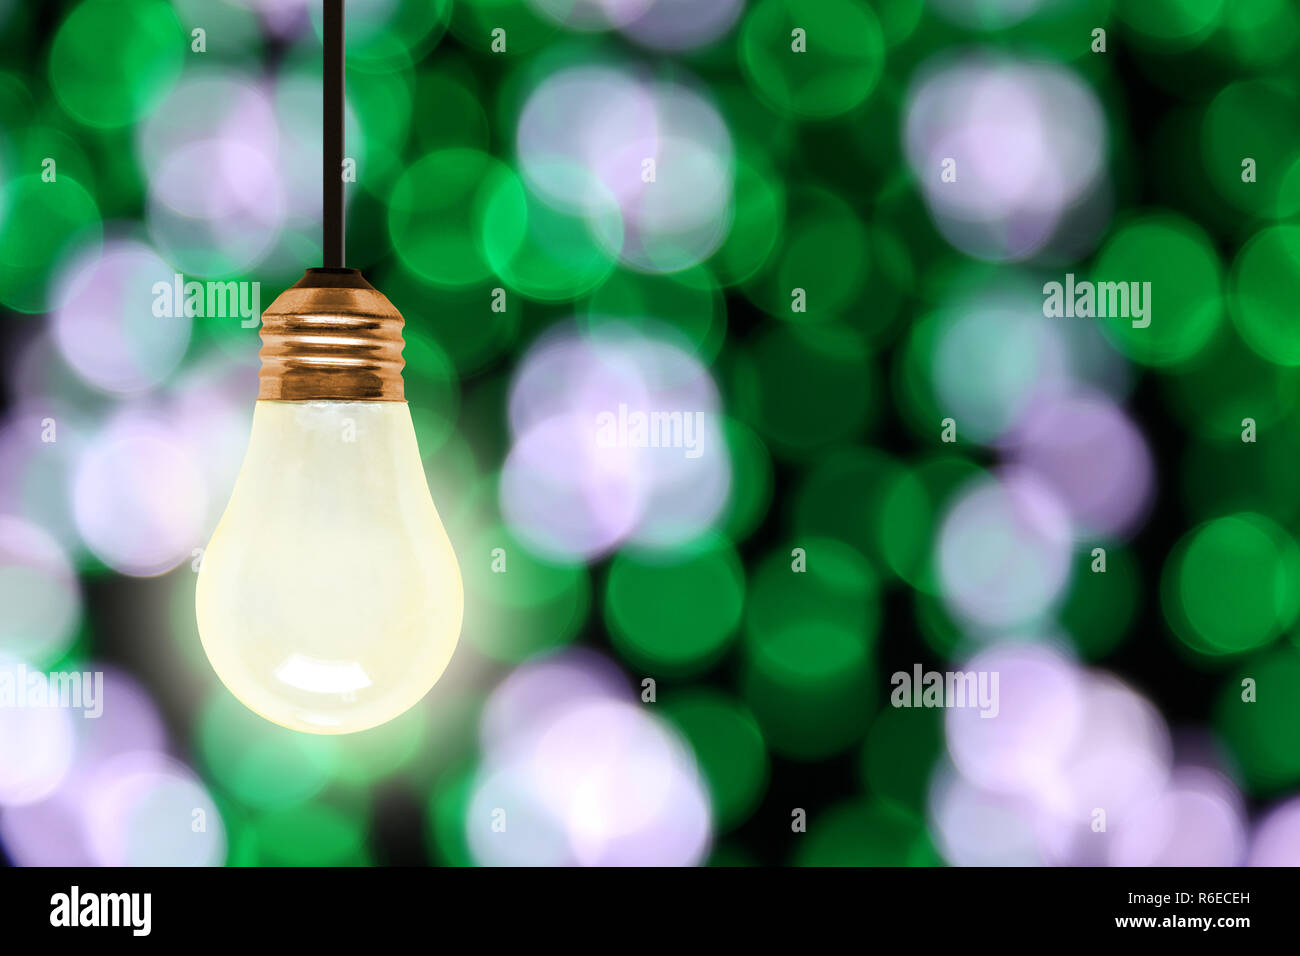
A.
pixel 332 135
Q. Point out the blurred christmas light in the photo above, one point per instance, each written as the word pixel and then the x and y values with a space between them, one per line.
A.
pixel 1195 821
pixel 112 60
pixel 139 797
pixel 1232 584
pixel 617 438
pixel 40 592
pixel 1177 257
pixel 596 780
pixel 103 324
pixel 37 741
pixel 1276 841
pixel 603 143
pixel 675 615
pixel 139 496
pixel 1001 150
pixel 844 65
pixel 1093 457
pixel 1003 551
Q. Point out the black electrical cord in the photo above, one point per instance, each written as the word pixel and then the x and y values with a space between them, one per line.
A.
pixel 332 137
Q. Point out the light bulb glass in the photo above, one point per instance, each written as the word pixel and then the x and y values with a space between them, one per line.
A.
pixel 329 598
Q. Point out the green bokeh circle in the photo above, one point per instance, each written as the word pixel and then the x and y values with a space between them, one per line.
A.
pixel 556 257
pixel 674 615
pixel 42 224
pixel 1172 22
pixel 1261 32
pixel 841 64
pixel 729 748
pixel 826 253
pixel 1264 733
pixel 113 60
pixel 837 586
pixel 437 212
pixel 1257 120
pixel 1185 306
pixel 862 833
pixel 1232 584
pixel 1265 290
pixel 811 686
pixel 526 30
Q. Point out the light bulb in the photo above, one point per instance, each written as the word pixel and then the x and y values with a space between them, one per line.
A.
pixel 329 599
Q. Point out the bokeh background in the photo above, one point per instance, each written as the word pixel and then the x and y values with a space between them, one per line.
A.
pixel 524 169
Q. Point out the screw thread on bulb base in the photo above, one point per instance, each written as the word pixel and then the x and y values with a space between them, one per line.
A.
pixel 332 336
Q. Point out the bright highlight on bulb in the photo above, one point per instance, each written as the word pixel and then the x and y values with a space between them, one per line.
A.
pixel 329 599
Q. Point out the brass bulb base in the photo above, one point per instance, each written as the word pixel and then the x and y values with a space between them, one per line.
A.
pixel 332 336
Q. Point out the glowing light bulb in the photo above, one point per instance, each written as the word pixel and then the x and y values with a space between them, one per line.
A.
pixel 329 598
